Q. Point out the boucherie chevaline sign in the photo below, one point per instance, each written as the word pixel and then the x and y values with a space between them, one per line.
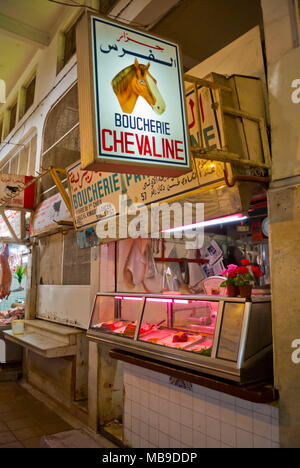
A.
pixel 131 101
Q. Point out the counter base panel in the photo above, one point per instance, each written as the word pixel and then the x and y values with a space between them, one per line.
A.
pixel 263 392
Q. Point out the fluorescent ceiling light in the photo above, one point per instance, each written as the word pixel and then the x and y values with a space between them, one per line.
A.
pixel 211 222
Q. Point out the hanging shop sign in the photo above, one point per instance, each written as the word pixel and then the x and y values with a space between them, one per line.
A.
pixel 131 101
pixel 11 193
pixel 48 214
pixel 90 191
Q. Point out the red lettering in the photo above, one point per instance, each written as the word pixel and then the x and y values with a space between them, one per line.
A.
pixel 147 147
pixel 154 149
pixel 117 142
pixel 170 150
pixel 128 143
pixel 178 150
pixel 140 144
pixel 106 148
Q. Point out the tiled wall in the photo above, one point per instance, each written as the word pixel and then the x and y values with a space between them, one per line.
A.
pixel 159 414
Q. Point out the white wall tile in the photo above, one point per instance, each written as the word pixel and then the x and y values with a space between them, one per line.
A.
pixel 174 412
pixel 213 428
pixel 164 407
pixel 212 443
pixel 199 403
pixel 144 399
pixel 275 431
pixel 144 430
pixel 199 422
pixel 260 442
pixel 186 417
pixel 186 436
pixel 213 394
pixel 244 439
pixel 199 440
pixel 135 425
pixel 157 414
pixel 163 424
pixel 175 429
pixel 228 414
pixel 228 434
pixel 153 437
pixel 213 408
pixel 186 399
pixel 262 425
pixel 174 444
pixel 243 404
pixel 262 409
pixel 163 440
pixel 244 419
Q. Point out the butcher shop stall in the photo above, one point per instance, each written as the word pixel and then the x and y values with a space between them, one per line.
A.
pixel 16 201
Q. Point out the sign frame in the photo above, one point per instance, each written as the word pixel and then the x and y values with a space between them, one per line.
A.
pixel 88 113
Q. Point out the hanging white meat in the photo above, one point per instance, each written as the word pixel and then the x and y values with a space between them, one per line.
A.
pixel 5 275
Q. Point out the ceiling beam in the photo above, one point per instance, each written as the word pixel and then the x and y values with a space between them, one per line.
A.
pixel 22 31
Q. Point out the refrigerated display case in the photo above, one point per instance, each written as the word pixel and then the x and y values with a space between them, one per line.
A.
pixel 226 337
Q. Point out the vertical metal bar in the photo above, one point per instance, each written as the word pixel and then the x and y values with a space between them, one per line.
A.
pixel 217 329
pixel 170 319
pixel 61 189
pixel 244 334
pixel 198 115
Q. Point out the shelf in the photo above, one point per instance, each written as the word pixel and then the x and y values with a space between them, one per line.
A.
pixel 46 339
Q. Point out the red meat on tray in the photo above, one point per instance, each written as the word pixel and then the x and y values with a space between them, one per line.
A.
pixel 180 337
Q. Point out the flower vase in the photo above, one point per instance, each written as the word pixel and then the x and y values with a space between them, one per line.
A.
pixel 232 291
pixel 246 291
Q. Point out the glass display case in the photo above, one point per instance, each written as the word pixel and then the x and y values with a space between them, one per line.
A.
pixel 226 337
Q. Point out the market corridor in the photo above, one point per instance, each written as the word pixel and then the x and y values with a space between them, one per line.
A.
pixel 24 419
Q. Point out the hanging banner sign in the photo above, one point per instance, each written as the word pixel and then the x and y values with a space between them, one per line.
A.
pixel 11 193
pixel 91 191
pixel 131 101
pixel 48 214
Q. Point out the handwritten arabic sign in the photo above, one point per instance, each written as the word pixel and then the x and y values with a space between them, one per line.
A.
pixel 89 190
pixel 14 218
pixel 11 193
pixel 138 122
pixel 48 214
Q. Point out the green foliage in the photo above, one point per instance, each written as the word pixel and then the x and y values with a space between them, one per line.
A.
pixel 19 273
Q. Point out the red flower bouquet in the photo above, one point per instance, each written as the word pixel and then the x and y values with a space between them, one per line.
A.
pixel 240 277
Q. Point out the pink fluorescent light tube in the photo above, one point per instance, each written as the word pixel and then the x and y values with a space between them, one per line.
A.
pixel 168 301
pixel 130 298
pixel 211 222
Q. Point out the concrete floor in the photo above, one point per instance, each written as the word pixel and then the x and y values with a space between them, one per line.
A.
pixel 24 419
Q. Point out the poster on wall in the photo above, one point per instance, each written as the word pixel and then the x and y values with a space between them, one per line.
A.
pixel 11 193
pixel 130 84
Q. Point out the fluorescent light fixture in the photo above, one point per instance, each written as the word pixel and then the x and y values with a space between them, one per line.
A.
pixel 168 301
pixel 211 222
pixel 130 298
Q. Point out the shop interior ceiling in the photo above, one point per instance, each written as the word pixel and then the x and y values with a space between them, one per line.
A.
pixel 27 26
